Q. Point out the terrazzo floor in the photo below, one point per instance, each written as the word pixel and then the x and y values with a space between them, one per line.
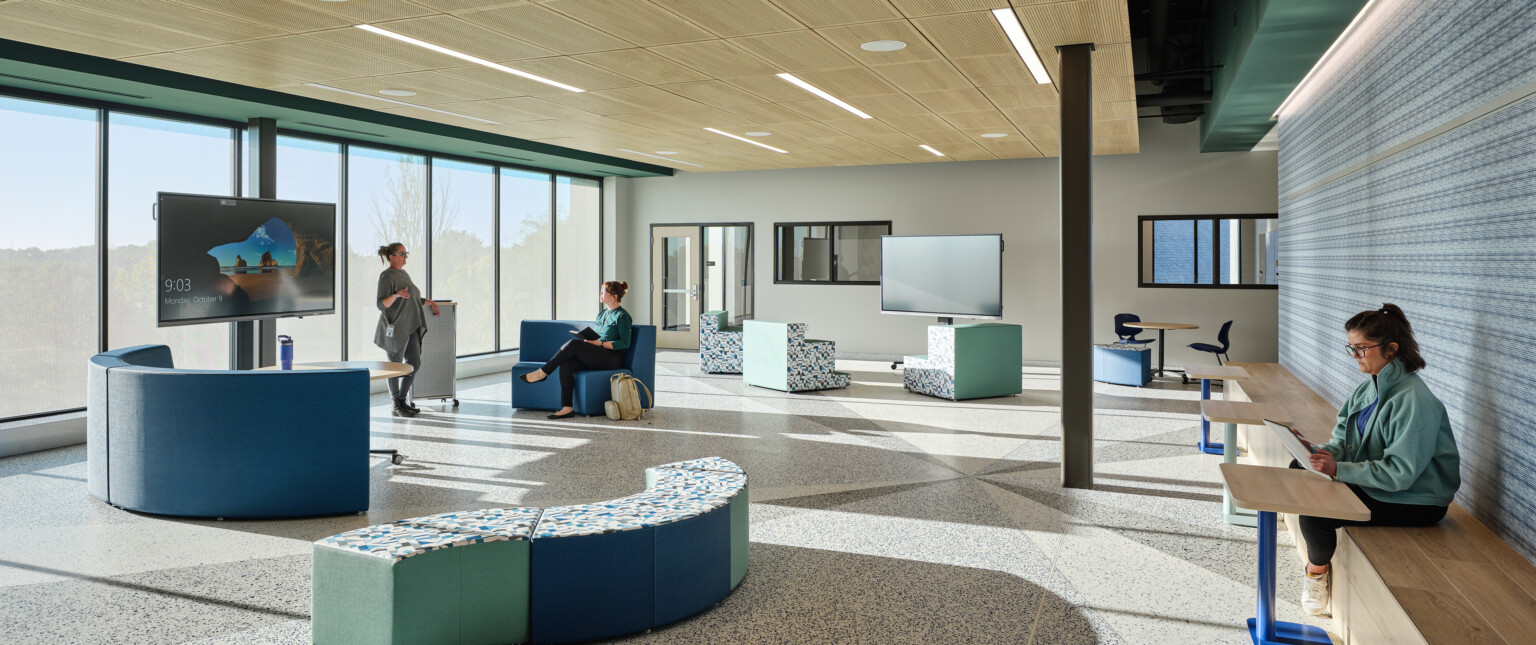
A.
pixel 878 516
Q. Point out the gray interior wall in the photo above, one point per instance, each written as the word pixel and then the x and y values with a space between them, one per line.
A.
pixel 1017 198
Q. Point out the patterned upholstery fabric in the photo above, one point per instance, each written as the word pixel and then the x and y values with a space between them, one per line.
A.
pixel 811 363
pixel 933 374
pixel 708 463
pixel 404 538
pixel 720 346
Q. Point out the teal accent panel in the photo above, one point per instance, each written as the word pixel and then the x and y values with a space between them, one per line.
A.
pixel 1265 48
pixel 765 354
pixel 741 541
pixel 349 600
pixel 989 360
pixel 427 598
pixel 495 592
pixel 57 71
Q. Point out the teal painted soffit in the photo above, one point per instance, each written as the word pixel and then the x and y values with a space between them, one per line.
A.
pixel 67 73
pixel 1265 48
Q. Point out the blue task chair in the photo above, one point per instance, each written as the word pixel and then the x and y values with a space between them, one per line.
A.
pixel 1128 334
pixel 1221 337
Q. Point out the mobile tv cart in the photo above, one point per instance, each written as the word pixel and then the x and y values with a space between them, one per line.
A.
pixel 437 378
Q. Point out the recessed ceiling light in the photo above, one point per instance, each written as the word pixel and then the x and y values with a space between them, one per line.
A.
pixel 413 105
pixel 760 145
pixel 644 154
pixel 663 152
pixel 832 99
pixel 757 134
pixel 1009 21
pixel 394 92
pixel 994 135
pixel 930 149
pixel 883 45
pixel 463 56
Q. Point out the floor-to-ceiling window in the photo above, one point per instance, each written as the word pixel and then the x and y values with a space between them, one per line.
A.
pixel 48 250
pixel 463 262
pixel 578 247
pixel 527 273
pixel 310 171
pixel 386 203
pixel 147 156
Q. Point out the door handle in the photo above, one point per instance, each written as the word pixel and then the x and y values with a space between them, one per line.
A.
pixel 694 291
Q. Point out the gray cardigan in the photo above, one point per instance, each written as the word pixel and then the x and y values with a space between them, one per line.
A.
pixel 406 315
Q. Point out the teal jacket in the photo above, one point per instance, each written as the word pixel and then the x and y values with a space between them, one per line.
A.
pixel 1408 455
pixel 614 325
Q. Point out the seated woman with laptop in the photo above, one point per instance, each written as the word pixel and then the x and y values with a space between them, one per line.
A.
pixel 1392 445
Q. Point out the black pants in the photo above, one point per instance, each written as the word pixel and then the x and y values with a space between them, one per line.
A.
pixel 399 387
pixel 577 354
pixel 1321 532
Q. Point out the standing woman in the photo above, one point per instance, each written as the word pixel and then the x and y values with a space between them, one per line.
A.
pixel 402 323
pixel 613 329
pixel 1392 445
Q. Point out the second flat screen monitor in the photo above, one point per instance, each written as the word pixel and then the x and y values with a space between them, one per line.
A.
pixel 942 275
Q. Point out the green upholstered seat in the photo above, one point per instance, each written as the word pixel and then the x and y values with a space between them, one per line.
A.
pixel 777 356
pixel 968 362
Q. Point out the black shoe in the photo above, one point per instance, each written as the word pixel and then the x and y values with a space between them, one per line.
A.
pixel 412 406
pixel 524 377
pixel 402 410
pixel 567 415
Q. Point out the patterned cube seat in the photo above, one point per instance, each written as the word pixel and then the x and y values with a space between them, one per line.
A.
pixel 461 577
pixel 778 356
pixel 968 362
pixel 720 345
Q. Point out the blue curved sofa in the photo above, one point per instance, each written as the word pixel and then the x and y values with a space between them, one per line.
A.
pixel 556 575
pixel 215 443
pixel 542 338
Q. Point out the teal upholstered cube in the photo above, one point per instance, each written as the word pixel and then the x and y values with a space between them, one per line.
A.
pixel 457 578
pixel 968 362
pixel 778 356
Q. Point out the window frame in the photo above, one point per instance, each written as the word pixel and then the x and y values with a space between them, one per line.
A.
pixel 832 257
pixel 1141 250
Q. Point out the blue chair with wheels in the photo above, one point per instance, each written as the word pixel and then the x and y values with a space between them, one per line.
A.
pixel 1128 334
pixel 1221 337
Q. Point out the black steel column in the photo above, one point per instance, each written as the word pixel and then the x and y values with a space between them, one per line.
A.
pixel 254 344
pixel 1075 81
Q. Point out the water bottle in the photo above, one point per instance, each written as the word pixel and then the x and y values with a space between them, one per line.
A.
pixel 285 352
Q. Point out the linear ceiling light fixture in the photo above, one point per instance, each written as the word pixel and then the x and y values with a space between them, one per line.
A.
pixel 817 91
pixel 413 105
pixel 666 159
pixel 1015 30
pixel 463 56
pixel 1343 36
pixel 746 140
pixel 936 153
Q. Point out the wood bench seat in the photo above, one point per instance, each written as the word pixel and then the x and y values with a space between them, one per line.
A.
pixel 1455 582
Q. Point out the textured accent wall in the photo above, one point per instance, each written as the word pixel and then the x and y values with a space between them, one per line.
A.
pixel 1408 175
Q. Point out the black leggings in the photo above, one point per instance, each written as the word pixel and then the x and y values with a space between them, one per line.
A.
pixel 577 354
pixel 1321 532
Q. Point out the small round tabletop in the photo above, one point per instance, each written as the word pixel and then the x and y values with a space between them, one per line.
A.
pixel 376 369
pixel 1160 325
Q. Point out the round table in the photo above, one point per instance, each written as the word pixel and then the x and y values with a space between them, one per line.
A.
pixel 376 369
pixel 1162 340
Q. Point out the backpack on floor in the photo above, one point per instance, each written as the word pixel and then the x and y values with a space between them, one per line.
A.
pixel 625 404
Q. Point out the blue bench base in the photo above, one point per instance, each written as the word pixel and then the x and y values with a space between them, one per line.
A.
pixel 592 390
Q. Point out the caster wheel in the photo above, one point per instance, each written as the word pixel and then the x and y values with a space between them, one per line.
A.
pixel 397 459
pixel 455 403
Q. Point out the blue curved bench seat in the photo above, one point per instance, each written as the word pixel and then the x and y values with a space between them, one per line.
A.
pixel 564 574
pixel 217 443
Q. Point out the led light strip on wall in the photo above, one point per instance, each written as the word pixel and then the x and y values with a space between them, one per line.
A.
pixel 1326 57
pixel 463 56
pixel 818 92
pixel 419 107
pixel 744 139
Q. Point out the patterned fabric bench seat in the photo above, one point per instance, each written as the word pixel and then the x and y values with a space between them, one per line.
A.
pixel 563 574
pixel 719 344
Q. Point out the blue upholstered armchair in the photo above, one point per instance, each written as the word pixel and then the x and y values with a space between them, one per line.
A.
pixel 719 344
pixel 216 443
pixel 542 338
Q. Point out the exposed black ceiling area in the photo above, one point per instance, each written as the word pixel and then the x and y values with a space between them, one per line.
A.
pixel 1168 47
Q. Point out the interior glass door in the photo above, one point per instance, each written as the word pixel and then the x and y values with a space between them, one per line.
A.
pixel 675 285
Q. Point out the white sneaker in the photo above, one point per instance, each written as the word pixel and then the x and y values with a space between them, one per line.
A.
pixel 1315 592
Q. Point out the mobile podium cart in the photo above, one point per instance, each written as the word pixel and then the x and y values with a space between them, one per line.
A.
pixel 439 356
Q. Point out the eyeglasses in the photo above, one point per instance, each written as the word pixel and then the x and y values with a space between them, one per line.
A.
pixel 1358 352
pixel 402 254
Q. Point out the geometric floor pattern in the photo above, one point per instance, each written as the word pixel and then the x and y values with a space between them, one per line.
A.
pixel 878 516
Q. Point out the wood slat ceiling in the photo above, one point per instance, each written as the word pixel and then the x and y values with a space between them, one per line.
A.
pixel 657 71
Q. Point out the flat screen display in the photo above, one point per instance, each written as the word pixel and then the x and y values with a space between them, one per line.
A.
pixel 225 259
pixel 942 275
